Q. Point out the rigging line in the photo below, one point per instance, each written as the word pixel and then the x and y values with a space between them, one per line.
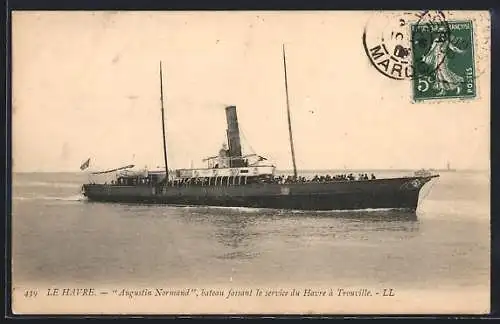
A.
pixel 246 140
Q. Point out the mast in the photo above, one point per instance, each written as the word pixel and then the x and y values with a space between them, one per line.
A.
pixel 163 126
pixel 288 114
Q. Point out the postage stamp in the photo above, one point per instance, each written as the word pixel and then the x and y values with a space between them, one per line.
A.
pixel 449 57
pixel 432 51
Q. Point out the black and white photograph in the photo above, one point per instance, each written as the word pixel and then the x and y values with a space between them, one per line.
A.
pixel 250 162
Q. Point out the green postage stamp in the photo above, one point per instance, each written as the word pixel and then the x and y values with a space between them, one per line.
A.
pixel 443 60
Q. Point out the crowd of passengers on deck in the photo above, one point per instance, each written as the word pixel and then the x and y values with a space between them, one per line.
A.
pixel 241 180
pixel 269 179
pixel 324 178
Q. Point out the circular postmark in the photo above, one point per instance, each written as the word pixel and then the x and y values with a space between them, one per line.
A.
pixel 390 40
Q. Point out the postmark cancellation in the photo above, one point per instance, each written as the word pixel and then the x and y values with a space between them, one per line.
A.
pixel 434 53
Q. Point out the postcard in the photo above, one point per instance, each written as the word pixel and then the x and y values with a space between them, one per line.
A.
pixel 251 162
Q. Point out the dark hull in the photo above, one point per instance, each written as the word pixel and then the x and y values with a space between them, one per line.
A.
pixel 395 193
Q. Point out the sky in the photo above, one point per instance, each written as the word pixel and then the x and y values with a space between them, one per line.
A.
pixel 86 84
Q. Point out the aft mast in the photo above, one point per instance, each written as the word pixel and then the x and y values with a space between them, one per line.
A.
pixel 163 126
pixel 288 114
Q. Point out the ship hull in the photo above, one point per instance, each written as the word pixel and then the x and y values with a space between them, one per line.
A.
pixel 395 193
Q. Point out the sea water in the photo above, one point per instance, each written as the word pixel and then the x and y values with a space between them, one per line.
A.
pixel 60 238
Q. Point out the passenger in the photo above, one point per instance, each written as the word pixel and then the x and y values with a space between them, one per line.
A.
pixel 373 177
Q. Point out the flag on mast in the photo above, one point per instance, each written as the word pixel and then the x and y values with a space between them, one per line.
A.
pixel 85 164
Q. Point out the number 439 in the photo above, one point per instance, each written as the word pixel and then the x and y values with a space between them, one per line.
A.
pixel 30 293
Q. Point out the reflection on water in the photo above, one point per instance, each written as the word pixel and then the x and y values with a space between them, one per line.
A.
pixel 251 214
pixel 243 230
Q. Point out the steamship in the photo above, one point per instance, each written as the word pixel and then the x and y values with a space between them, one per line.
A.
pixel 231 179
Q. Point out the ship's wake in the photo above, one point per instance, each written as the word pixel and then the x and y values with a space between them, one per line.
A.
pixel 298 211
pixel 78 197
pixel 369 212
pixel 45 184
pixel 249 210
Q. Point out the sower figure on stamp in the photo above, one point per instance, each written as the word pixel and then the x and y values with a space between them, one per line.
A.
pixel 437 58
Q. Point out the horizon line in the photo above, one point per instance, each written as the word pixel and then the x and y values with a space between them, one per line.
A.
pixel 306 170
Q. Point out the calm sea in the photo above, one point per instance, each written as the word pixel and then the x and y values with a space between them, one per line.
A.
pixel 60 238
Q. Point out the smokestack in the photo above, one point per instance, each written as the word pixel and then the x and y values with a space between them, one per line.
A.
pixel 233 136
